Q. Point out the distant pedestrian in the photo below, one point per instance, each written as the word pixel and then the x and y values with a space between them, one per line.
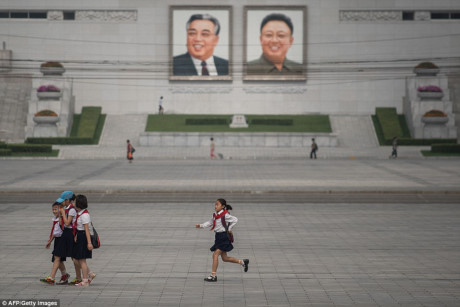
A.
pixel 130 150
pixel 314 149
pixel 222 223
pixel 394 152
pixel 161 110
pixel 213 148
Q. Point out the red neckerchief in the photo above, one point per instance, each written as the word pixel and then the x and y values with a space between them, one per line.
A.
pixel 66 214
pixel 217 216
pixel 74 226
pixel 68 209
pixel 52 228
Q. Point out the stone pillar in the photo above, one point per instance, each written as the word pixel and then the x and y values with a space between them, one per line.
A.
pixel 415 107
pixel 454 88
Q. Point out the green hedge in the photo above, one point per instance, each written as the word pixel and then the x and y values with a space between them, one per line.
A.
pixel 389 122
pixel 75 124
pixel 5 152
pixel 75 138
pixel 400 121
pixel 29 148
pixel 272 121
pixel 206 121
pixel 60 141
pixel 447 148
pixel 88 122
pixel 422 142
pixel 3 145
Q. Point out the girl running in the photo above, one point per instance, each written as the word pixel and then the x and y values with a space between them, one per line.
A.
pixel 222 223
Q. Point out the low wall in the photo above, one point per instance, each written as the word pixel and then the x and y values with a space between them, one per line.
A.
pixel 230 139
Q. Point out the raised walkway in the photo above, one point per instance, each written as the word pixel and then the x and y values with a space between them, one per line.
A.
pixel 355 134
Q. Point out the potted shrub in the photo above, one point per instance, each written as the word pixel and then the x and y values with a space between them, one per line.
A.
pixel 52 68
pixel 426 69
pixel 435 117
pixel 429 92
pixel 46 117
pixel 48 92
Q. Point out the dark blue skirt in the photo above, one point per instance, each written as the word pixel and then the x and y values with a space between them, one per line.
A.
pixel 57 250
pixel 67 242
pixel 222 242
pixel 80 249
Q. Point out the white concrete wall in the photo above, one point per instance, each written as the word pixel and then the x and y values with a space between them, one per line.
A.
pixel 327 89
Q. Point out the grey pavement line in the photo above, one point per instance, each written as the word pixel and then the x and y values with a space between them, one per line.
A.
pixel 399 173
pixel 98 171
pixel 28 176
pixel 414 162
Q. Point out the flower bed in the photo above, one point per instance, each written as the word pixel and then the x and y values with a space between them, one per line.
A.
pixel 51 64
pixel 45 113
pixel 435 113
pixel 48 88
pixel 426 65
pixel 52 68
pixel 426 69
pixel 429 92
pixel 435 117
pixel 429 88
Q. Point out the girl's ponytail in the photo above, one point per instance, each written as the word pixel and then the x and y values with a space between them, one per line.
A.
pixel 223 202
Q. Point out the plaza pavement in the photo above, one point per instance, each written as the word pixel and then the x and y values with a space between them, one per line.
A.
pixel 325 232
pixel 351 228
pixel 301 254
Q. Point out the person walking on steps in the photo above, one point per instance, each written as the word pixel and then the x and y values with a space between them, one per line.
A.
pixel 161 110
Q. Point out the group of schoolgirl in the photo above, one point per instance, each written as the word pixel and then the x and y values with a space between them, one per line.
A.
pixel 71 235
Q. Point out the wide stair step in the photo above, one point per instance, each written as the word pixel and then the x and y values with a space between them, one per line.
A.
pixel 14 98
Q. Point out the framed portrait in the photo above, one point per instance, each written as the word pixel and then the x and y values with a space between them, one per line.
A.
pixel 275 40
pixel 200 42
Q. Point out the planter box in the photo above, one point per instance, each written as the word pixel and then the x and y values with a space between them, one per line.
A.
pixel 46 120
pixel 49 95
pixel 426 71
pixel 435 120
pixel 52 71
pixel 430 95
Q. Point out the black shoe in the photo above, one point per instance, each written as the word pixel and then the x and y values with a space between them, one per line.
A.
pixel 246 264
pixel 211 278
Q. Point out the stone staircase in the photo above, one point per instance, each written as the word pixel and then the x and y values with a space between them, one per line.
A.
pixel 119 128
pixel 14 97
pixel 354 131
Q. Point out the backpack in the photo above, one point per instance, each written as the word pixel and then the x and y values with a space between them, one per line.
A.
pixel 229 235
pixel 95 241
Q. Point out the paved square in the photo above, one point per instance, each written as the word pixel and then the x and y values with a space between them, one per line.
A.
pixel 301 254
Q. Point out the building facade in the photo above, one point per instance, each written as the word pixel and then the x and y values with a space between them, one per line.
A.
pixel 354 55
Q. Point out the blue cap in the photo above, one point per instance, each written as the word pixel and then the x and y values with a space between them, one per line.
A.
pixel 64 195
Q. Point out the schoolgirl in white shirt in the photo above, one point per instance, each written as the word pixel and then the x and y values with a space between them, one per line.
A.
pixel 68 214
pixel 83 248
pixel 223 237
pixel 58 253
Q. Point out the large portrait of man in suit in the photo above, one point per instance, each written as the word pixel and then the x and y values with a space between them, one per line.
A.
pixel 201 48
pixel 275 43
